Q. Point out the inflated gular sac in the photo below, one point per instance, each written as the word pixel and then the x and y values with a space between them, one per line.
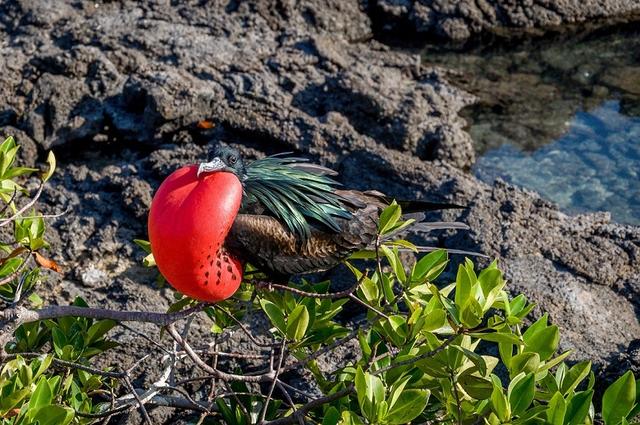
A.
pixel 189 220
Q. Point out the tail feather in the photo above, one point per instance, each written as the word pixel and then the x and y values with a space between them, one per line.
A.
pixel 419 205
pixel 425 226
pixel 439 225
pixel 450 251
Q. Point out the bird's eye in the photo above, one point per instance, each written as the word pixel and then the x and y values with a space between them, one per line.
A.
pixel 232 160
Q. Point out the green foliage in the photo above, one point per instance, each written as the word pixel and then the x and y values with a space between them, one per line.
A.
pixel 424 350
pixel 35 388
pixel 72 339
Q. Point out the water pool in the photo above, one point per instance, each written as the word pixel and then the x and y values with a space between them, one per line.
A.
pixel 559 115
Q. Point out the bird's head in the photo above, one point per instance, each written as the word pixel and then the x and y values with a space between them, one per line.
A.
pixel 224 158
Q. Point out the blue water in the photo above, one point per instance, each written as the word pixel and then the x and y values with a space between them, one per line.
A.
pixel 559 115
pixel 594 166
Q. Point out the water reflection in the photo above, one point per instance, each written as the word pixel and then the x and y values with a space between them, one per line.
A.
pixel 558 116
pixel 595 166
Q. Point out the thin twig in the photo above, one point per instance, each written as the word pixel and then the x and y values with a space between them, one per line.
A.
pixel 245 330
pixel 412 360
pixel 327 348
pixel 303 410
pixel 275 381
pixel 24 208
pixel 13 197
pixel 307 294
pixel 12 276
pixel 143 410
pixel 265 377
pixel 370 307
pixel 145 337
pixel 289 400
pixel 23 315
pixel 71 365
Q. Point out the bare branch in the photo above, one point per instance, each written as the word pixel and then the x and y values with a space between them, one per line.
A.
pixel 23 315
pixel 332 295
pixel 275 380
pixel 302 411
pixel 265 377
pixel 28 205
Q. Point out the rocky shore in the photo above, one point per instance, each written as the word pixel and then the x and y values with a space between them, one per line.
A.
pixel 117 90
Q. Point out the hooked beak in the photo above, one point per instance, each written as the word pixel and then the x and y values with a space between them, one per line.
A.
pixel 215 164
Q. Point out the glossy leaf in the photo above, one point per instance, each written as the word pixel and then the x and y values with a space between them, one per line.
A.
pixel 618 399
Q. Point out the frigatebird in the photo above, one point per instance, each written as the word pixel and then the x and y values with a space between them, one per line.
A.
pixel 296 218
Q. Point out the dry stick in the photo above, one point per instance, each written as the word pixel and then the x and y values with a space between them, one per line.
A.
pixel 299 391
pixel 55 215
pixel 23 315
pixel 289 400
pixel 12 276
pixel 245 330
pixel 71 365
pixel 266 377
pixel 370 307
pixel 145 337
pixel 13 197
pixel 302 411
pixel 275 381
pixel 24 208
pixel 327 349
pixel 143 410
pixel 297 291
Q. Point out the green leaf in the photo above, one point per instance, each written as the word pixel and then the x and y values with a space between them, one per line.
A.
pixel 499 402
pixel 618 399
pixel 574 376
pixel 521 394
pixel 524 362
pixel 578 408
pixel 475 358
pixel 556 410
pixel 500 337
pixel 471 313
pixel 463 286
pixel 42 395
pixel 370 391
pixel 434 320
pixel 476 387
pixel 408 406
pixel 431 265
pixel 13 399
pixel 396 390
pixel 275 315
pixel 98 330
pixel 53 415
pixel 544 342
pixel 538 325
pixel 331 416
pixel 389 217
pixel 396 329
pixel 51 161
pixel 297 323
pixel 350 418
pixel 361 386
pixel 145 245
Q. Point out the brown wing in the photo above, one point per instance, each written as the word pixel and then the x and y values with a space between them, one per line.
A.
pixel 268 244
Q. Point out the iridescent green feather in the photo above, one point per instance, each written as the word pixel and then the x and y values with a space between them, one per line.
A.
pixel 294 195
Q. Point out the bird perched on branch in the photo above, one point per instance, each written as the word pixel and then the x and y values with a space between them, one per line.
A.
pixel 295 218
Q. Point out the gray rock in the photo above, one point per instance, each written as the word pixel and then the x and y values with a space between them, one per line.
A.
pixel 462 19
pixel 119 90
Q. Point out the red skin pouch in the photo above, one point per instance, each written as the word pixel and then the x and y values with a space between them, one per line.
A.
pixel 189 220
